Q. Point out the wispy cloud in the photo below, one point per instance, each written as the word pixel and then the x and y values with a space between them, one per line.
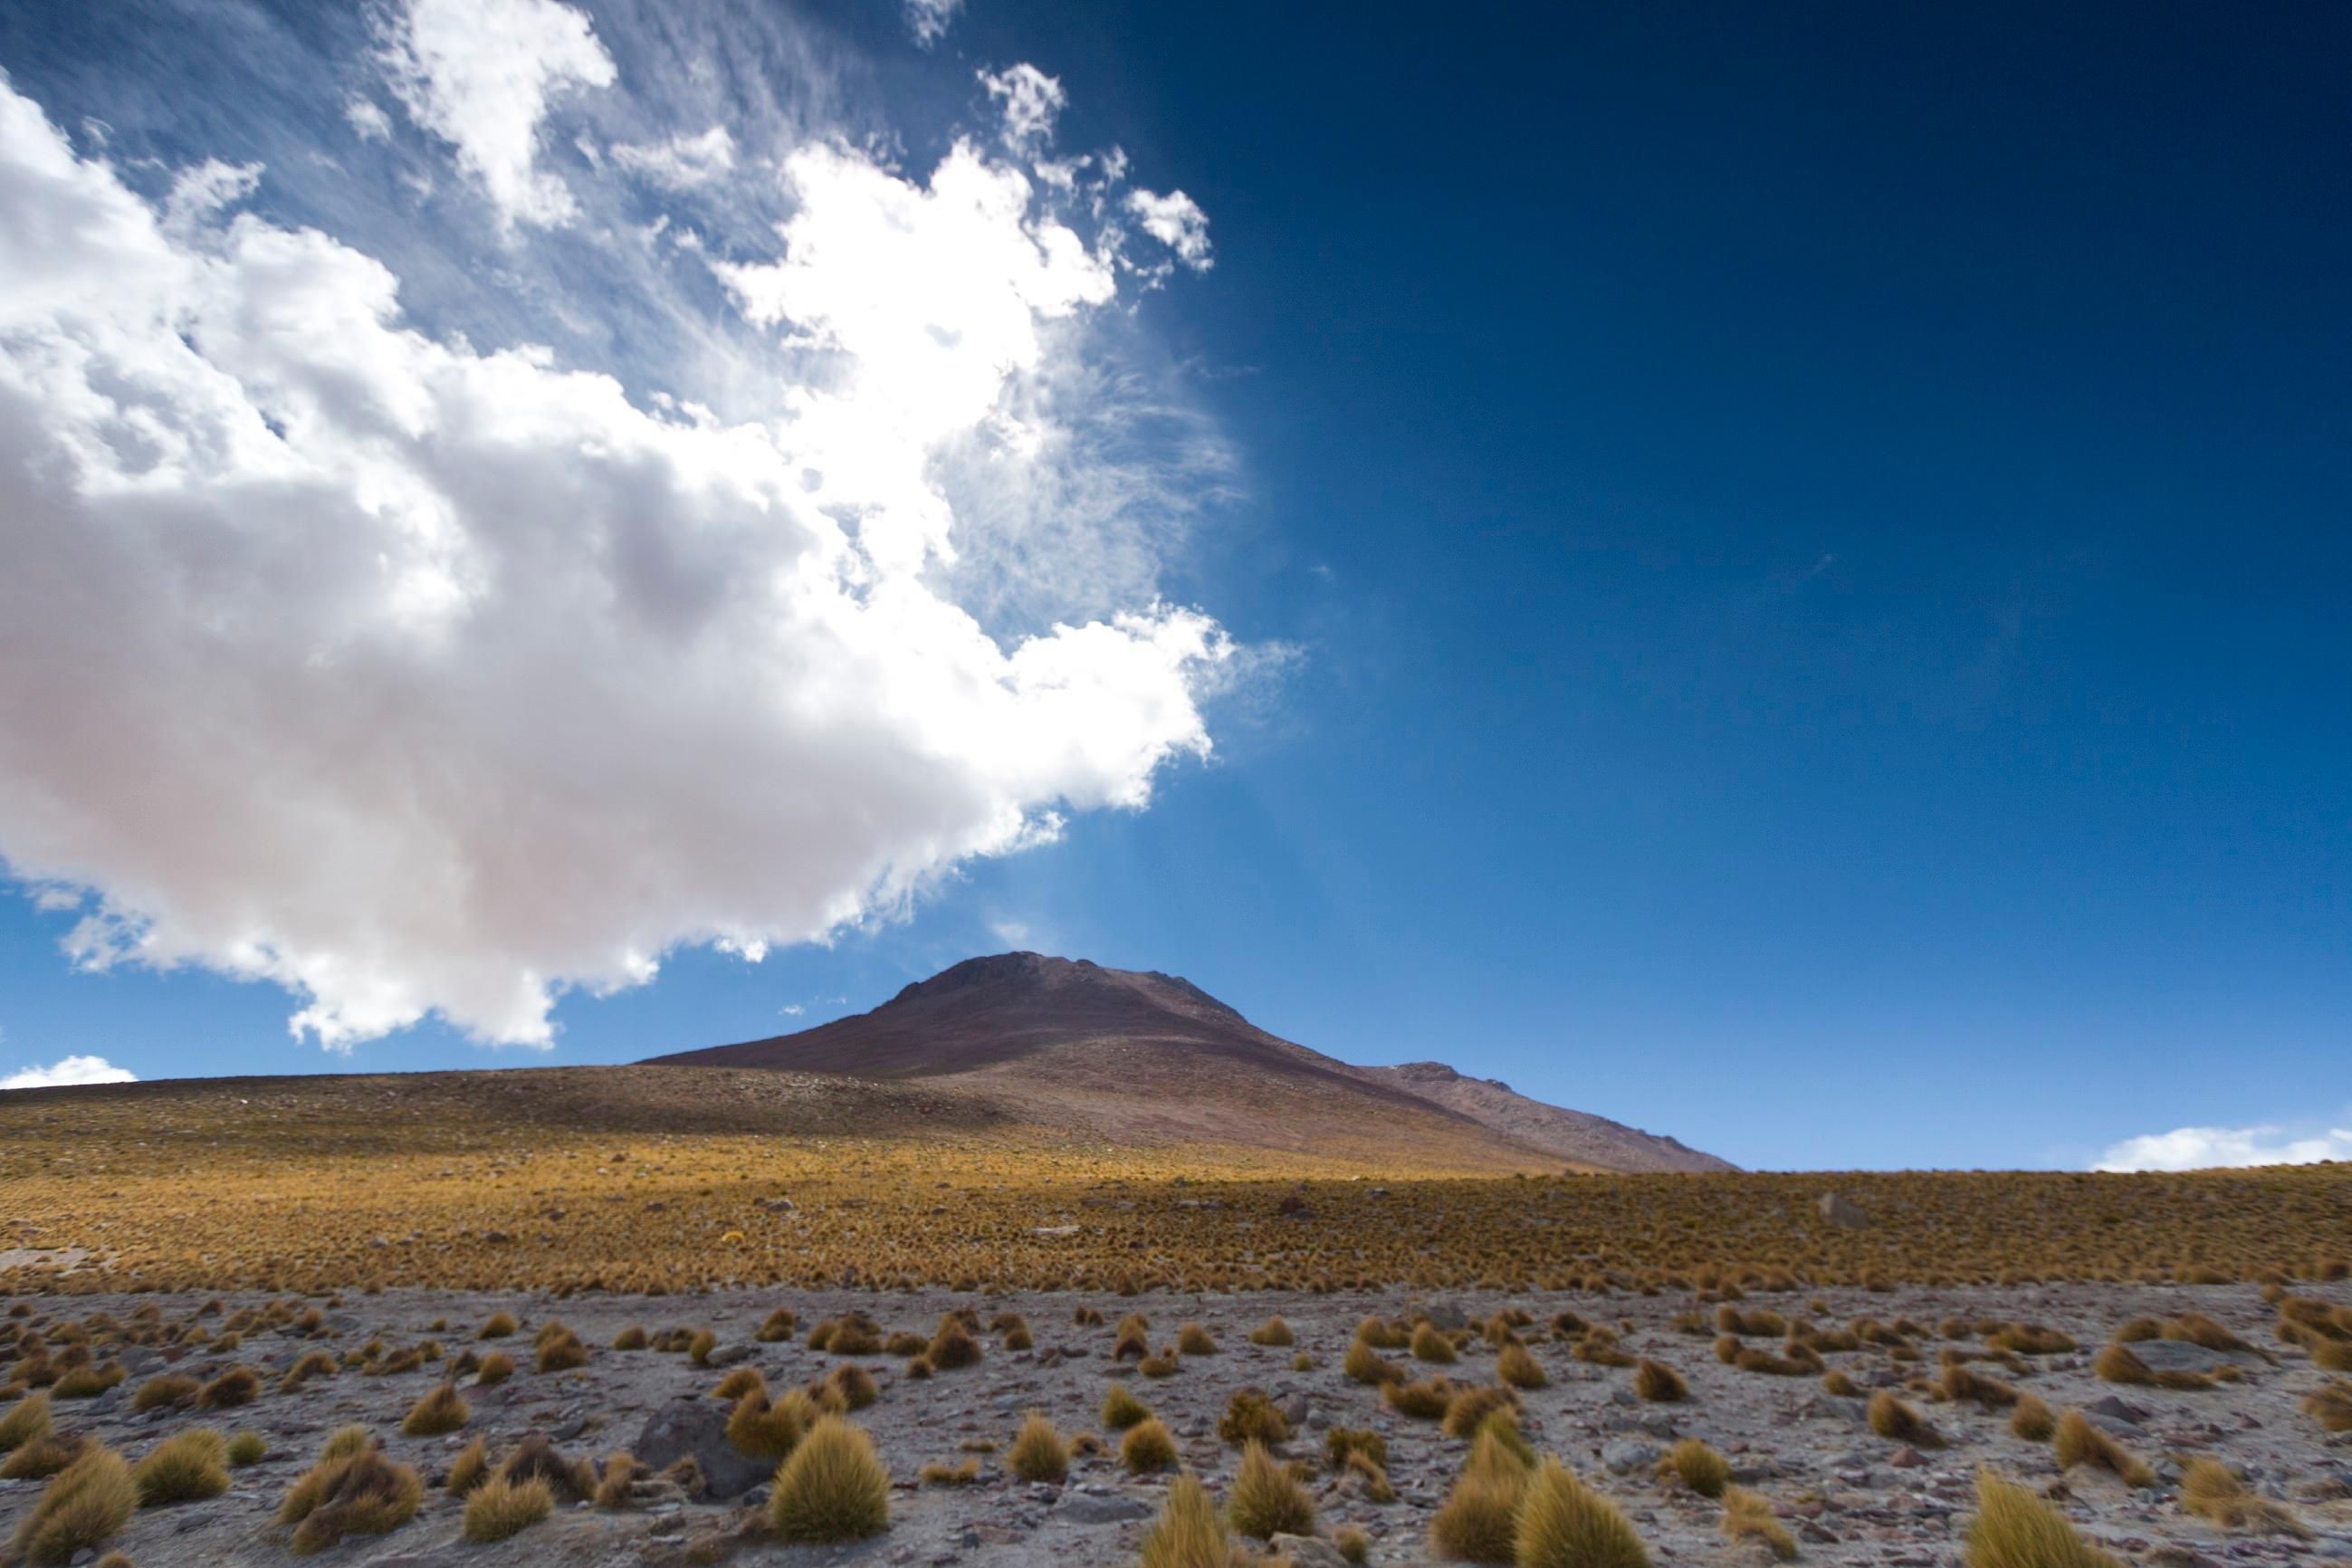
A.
pixel 756 527
pixel 68 1070
pixel 2206 1147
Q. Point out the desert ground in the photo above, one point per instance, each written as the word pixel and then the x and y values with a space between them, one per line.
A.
pixel 1844 1493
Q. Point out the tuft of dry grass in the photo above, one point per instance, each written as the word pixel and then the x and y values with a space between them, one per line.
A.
pixel 495 1368
pixel 1352 1543
pixel 1251 1418
pixel 739 1383
pixel 1469 1408
pixel 2209 1488
pixel 633 1338
pixel 953 1346
pixel 2015 1528
pixel 1747 1516
pixel 1423 1401
pixel 1701 1468
pixel 1366 1366
pixel 559 1351
pixel 1121 1409
pixel 1960 1385
pixel 1518 1366
pixel 1039 1452
pixel 832 1488
pixel 1149 1445
pixel 1193 1339
pixel 311 1365
pixel 2033 1420
pixel 1478 1521
pixel 442 1410
pixel 1266 1500
pixel 83 1504
pixel 1835 1381
pixel 2120 1363
pixel 500 1507
pixel 776 1327
pixel 350 1492
pixel 1273 1331
pixel 1563 1523
pixel 616 1488
pixel 1898 1423
pixel 1657 1382
pixel 536 1458
pixel 237 1385
pixel 172 1388
pixel 2331 1406
pixel 186 1466
pixel 247 1448
pixel 1430 1344
pixel 1188 1533
pixel 497 1326
pixel 2078 1441
pixel 470 1468
pixel 26 1419
pixel 768 1428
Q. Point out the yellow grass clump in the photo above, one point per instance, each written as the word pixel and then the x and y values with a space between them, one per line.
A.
pixel 352 1490
pixel 83 1504
pixel 1188 1532
pixel 500 1507
pixel 1701 1468
pixel 1149 1445
pixel 441 1411
pixel 1273 1331
pixel 183 1467
pixel 1563 1523
pixel 1655 1381
pixel 1266 1500
pixel 832 1488
pixel 2078 1441
pixel 1747 1516
pixel 1039 1452
pixel 2015 1528
pixel 2209 1488
pixel 1121 1409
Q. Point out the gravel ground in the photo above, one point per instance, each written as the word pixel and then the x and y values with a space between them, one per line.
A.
pixel 1853 1499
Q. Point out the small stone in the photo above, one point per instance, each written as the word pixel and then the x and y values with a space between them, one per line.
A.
pixel 1307 1552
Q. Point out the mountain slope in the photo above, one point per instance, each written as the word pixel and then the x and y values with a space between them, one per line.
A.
pixel 1143 1056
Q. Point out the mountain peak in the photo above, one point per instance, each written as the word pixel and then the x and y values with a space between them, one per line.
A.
pixel 1144 1055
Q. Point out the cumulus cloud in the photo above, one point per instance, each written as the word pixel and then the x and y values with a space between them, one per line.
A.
pixel 68 1070
pixel 929 20
pixel 422 676
pixel 1030 102
pixel 681 163
pixel 1176 221
pixel 2208 1148
pixel 480 75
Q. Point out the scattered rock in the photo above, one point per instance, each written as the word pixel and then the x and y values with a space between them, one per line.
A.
pixel 1625 1459
pixel 698 1426
pixel 1307 1552
pixel 1101 1508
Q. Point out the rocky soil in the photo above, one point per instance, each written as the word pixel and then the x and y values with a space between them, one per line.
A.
pixel 1853 1499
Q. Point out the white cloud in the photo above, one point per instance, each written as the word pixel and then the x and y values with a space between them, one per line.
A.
pixel 2208 1148
pixel 930 19
pixel 421 678
pixel 68 1070
pixel 1031 101
pixel 1176 221
pixel 792 1009
pixel 682 162
pixel 480 75
pixel 367 118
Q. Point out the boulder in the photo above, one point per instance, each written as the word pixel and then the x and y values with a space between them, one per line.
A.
pixel 698 1426
pixel 1101 1508
pixel 1628 1458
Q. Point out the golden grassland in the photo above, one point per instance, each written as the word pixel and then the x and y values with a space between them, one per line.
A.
pixel 485 1181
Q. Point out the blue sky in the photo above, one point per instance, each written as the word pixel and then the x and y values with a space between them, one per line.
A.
pixel 1776 577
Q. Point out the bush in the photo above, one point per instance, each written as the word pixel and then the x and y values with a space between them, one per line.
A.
pixel 1468 1409
pixel 1657 1382
pixel 2031 1419
pixel 2331 1406
pixel 617 1486
pixel 1563 1523
pixel 832 1488
pixel 2208 1487
pixel 1478 1521
pixel 536 1458
pixel 313 1363
pixel 1267 1498
pixel 1429 1343
pixel 237 1385
pixel 1747 1516
pixel 247 1448
pixel 1039 1452
pixel 953 1346
pixel 561 1352
pixel 438 1412
pixel 1251 1418
pixel 1702 1470
pixel 1366 1366
pixel 1121 1409
pixel 775 1327
pixel 170 1388
pixel 2078 1442
pixel 633 1338
pixel 1273 1331
pixel 500 1507
pixel 352 1492
pixel 183 1467
pixel 470 1468
pixel 1352 1542
pixel 1420 1401
pixel 26 1419
pixel 83 1504
pixel 498 1327
pixel 1149 1445
pixel 2014 1528
pixel 1194 1340
pixel 1898 1423
pixel 1188 1533
pixel 739 1383
pixel 1518 1367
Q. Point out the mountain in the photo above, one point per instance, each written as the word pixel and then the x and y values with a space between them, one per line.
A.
pixel 1145 1056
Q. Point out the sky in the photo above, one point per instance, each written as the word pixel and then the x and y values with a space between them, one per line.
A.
pixel 1777 575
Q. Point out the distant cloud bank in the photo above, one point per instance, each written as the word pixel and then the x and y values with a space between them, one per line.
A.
pixel 69 1070
pixel 2208 1148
